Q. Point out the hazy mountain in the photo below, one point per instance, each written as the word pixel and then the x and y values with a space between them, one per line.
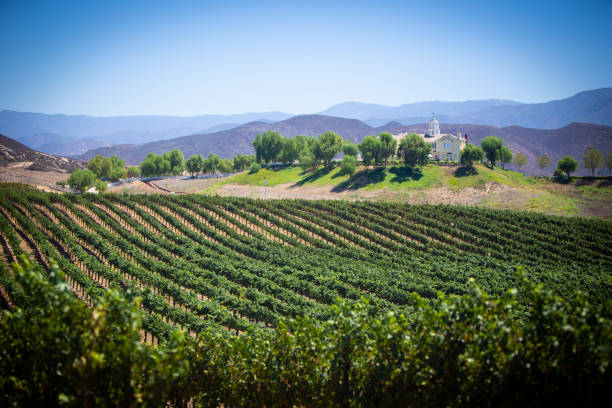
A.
pixel 556 143
pixel 382 114
pixel 37 129
pixel 588 107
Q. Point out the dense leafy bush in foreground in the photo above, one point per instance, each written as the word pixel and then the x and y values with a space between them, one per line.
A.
pixel 468 350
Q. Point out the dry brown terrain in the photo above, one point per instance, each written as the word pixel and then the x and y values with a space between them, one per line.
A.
pixel 18 173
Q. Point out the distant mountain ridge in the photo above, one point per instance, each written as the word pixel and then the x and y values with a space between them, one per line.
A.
pixel 594 106
pixel 556 143
pixel 13 153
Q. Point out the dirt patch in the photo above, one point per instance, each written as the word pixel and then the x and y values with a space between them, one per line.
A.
pixel 186 186
pixel 19 174
pixel 135 187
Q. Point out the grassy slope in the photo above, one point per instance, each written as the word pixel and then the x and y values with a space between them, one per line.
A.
pixel 527 193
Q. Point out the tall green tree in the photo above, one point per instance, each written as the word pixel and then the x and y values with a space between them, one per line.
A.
pixel 243 162
pixel 471 154
pixel 388 146
pixel 592 159
pixel 349 149
pixel 330 144
pixel 520 160
pixel 505 156
pixel 289 151
pixel 491 146
pixel 194 164
pixel 268 146
pixel 81 179
pixel 348 165
pixel 211 164
pixel 567 165
pixel 370 148
pixel 133 171
pixel 415 150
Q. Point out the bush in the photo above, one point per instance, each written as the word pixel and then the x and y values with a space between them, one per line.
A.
pixel 348 166
pixel 255 167
pixel 100 186
pixel 81 179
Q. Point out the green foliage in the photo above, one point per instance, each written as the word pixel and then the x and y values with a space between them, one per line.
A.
pixel 81 179
pixel 289 151
pixel 211 164
pixel 505 156
pixel 388 146
pixel 370 148
pixel 225 166
pixel 112 168
pixel 469 350
pixel 54 351
pixel 520 160
pixel 154 165
pixel 609 161
pixel 194 164
pixel 176 160
pixel 255 167
pixel 330 144
pixel 543 161
pixel 471 154
pixel 349 165
pixel 567 165
pixel 268 146
pixel 592 159
pixel 491 146
pixel 100 186
pixel 243 161
pixel 414 150
pixel 349 149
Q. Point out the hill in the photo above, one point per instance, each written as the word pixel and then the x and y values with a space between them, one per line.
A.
pixel 594 106
pixel 14 154
pixel 556 143
pixel 37 130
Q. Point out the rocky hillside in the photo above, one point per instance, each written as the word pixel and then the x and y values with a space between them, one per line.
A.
pixel 13 153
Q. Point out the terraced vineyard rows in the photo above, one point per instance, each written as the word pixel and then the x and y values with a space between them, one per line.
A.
pixel 234 264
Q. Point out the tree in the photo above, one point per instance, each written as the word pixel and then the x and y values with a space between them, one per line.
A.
pixel 177 162
pixel 112 168
pixel 255 167
pixel 211 163
pixel 414 150
pixel 388 146
pixel 306 159
pixel 609 161
pixel 491 146
pixel 330 144
pixel 243 161
pixel 349 149
pixel 194 164
pixel 370 148
pixel 133 171
pixel 301 143
pixel 471 154
pixel 100 186
pixel 225 166
pixel 592 159
pixel 289 152
pixel 520 160
pixel 81 179
pixel 505 156
pixel 543 161
pixel 268 146
pixel 349 164
pixel 567 165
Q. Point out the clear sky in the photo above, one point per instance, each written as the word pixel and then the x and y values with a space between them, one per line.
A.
pixel 189 58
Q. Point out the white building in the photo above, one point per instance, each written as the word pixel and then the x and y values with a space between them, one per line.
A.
pixel 444 146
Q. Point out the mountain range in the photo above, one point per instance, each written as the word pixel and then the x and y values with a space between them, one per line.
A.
pixel 73 135
pixel 556 143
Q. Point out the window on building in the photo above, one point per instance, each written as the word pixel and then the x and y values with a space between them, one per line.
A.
pixel 446 145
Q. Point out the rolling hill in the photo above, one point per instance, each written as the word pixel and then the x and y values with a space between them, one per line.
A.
pixel 13 153
pixel 571 139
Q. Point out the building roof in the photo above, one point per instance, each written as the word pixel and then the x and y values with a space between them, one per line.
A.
pixel 430 139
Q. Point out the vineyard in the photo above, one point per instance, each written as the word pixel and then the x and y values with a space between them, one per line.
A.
pixel 233 265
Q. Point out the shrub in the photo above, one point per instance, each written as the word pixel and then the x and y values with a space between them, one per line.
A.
pixel 255 167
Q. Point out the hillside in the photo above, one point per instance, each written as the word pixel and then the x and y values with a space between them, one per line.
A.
pixel 14 154
pixel 594 106
pixel 492 188
pixel 556 143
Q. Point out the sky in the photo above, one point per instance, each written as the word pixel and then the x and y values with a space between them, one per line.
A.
pixel 108 58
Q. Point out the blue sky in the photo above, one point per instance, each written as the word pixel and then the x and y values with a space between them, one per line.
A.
pixel 189 58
